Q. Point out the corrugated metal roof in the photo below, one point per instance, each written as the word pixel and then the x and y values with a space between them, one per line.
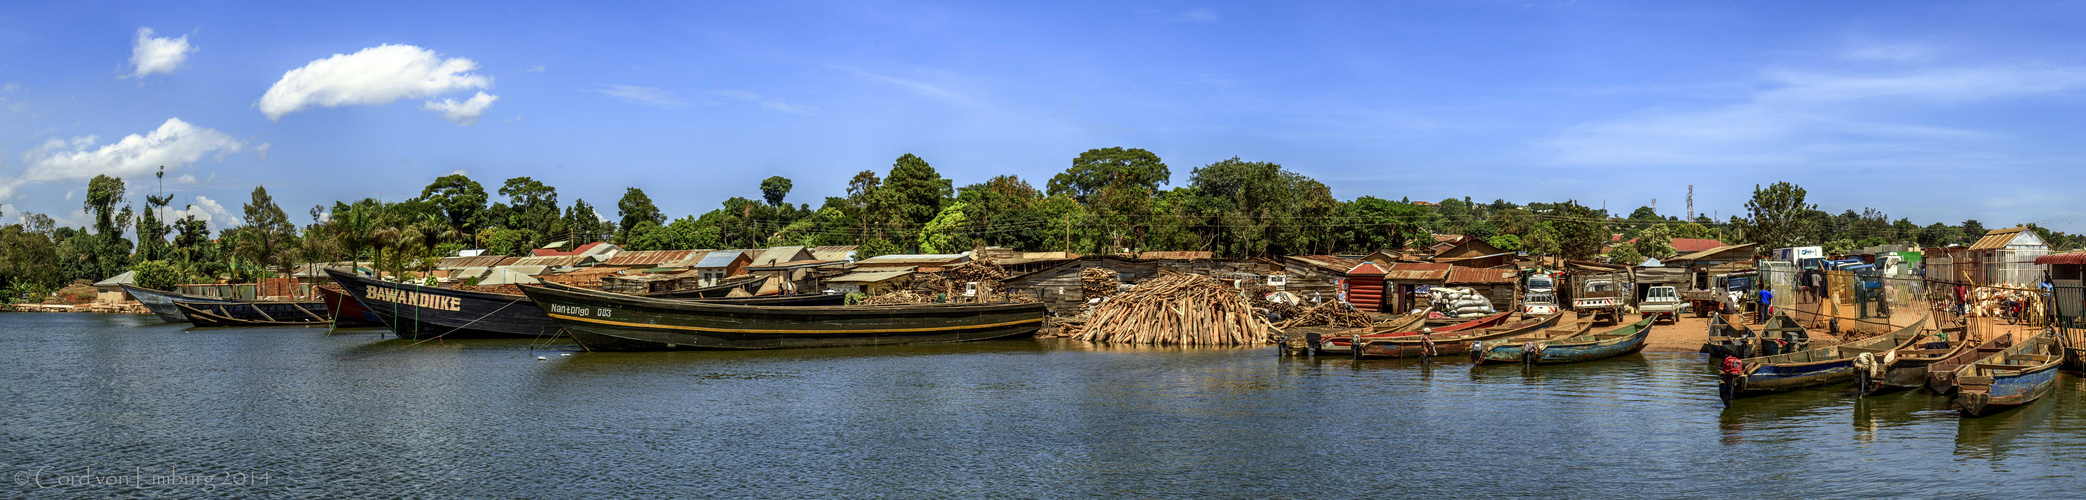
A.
pixel 1472 275
pixel 870 277
pixel 797 264
pixel 912 259
pixel 1417 271
pixel 1366 269
pixel 479 261
pixel 648 258
pixel 1176 255
pixel 1707 253
pixel 719 259
pixel 1997 238
pixel 834 252
pixel 2073 258
pixel 1332 263
pixel 778 255
pixel 1692 245
pixel 528 270
pixel 552 260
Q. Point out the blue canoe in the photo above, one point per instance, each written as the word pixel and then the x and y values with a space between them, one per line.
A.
pixel 2014 377
pixel 1584 347
pixel 1814 367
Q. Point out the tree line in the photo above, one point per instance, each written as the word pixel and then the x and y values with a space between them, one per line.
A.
pixel 1108 201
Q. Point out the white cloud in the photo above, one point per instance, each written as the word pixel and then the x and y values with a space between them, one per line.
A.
pixel 210 211
pixel 68 195
pixel 376 75
pixel 464 113
pixel 262 150
pixel 648 96
pixel 175 144
pixel 188 178
pixel 536 69
pixel 150 55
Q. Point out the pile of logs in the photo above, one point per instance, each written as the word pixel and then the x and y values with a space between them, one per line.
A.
pixel 1330 313
pixel 900 297
pixel 1096 282
pixel 1173 309
pixel 1257 296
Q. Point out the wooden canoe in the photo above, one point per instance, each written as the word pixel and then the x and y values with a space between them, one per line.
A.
pixel 161 302
pixel 1451 343
pixel 1482 354
pixel 1814 367
pixel 1579 348
pixel 266 313
pixel 347 312
pixel 2011 378
pixel 1941 375
pixel 1336 345
pixel 602 320
pixel 420 312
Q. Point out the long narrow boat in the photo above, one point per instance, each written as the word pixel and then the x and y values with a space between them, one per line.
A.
pixel 421 312
pixel 1479 353
pixel 347 312
pixel 1450 345
pixel 1399 324
pixel 718 291
pixel 2014 377
pixel 1621 341
pixel 602 320
pixel 1941 375
pixel 161 302
pixel 1339 344
pixel 1907 367
pixel 1813 367
pixel 267 313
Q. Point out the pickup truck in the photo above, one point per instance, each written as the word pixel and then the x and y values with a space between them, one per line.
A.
pixel 1725 294
pixel 1600 296
pixel 1661 299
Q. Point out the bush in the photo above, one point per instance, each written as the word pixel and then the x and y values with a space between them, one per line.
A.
pixel 157 275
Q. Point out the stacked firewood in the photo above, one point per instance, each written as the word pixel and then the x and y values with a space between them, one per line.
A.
pixel 1097 282
pixel 900 297
pixel 1329 313
pixel 1174 309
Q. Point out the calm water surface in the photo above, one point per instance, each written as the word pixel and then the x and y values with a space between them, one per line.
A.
pixel 92 400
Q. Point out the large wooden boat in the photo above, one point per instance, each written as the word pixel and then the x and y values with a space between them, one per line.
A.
pixel 1906 368
pixel 1338 344
pixel 1452 343
pixel 1941 375
pixel 2016 376
pixel 347 312
pixel 1812 367
pixel 1578 348
pixel 421 312
pixel 602 320
pixel 718 291
pixel 260 313
pixel 161 302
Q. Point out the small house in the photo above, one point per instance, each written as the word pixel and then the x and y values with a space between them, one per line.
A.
pixel 110 291
pixel 2007 257
pixel 714 266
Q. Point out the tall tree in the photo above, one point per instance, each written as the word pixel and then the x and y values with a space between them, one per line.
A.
pixel 1579 230
pixel 916 192
pixel 774 189
pixel 1777 219
pixel 1099 169
pixel 635 208
pixel 533 206
pixel 103 193
pixel 461 201
pixel 583 225
pixel 267 235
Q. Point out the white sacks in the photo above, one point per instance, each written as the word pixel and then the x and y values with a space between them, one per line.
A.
pixel 1461 302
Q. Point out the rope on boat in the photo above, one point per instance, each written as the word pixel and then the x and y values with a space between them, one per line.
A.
pixel 416 328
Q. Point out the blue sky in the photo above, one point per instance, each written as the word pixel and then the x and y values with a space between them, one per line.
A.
pixel 1933 111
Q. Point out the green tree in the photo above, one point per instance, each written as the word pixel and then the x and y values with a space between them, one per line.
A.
pixel 1654 242
pixel 1579 231
pixel 912 195
pixel 1777 219
pixel 633 209
pixel 583 225
pixel 1972 231
pixel 774 189
pixel 267 234
pixel 1097 170
pixel 461 202
pixel 532 205
pixel 156 275
pixel 1506 242
pixel 103 193
pixel 948 232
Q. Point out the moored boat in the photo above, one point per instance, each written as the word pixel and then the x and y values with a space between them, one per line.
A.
pixel 2011 378
pixel 421 312
pixel 161 302
pixel 1340 344
pixel 1941 375
pixel 1811 367
pixel 347 312
pixel 1451 343
pixel 1906 368
pixel 1579 348
pixel 259 313
pixel 603 320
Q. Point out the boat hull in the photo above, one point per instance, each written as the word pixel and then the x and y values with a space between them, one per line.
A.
pixel 421 312
pixel 2007 392
pixel 161 302
pixel 1451 346
pixel 607 321
pixel 1562 352
pixel 347 312
pixel 216 315
pixel 1813 367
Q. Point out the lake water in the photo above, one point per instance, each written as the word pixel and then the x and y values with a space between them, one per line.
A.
pixel 125 406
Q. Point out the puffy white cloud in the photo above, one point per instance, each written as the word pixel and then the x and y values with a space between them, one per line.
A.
pixel 150 55
pixel 210 211
pixel 464 113
pixel 174 144
pixel 376 75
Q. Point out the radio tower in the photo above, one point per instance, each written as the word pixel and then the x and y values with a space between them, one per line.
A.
pixel 1691 202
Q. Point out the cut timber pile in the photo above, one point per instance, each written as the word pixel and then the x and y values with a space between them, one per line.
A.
pixel 898 298
pixel 1257 296
pixel 1096 282
pixel 1174 309
pixel 1329 313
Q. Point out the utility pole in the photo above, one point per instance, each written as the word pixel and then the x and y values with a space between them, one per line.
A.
pixel 1691 202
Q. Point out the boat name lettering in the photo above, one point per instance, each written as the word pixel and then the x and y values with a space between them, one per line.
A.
pixel 580 311
pixel 416 299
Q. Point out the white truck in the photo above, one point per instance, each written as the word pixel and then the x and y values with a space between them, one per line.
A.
pixel 1541 297
pixel 1601 296
pixel 1661 300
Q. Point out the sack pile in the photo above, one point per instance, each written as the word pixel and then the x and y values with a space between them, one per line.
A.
pixel 1461 303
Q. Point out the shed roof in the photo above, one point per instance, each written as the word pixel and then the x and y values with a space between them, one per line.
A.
pixel 1366 269
pixel 913 259
pixel 1692 245
pixel 648 258
pixel 834 252
pixel 778 255
pixel 719 259
pixel 479 261
pixel 1418 271
pixel 1710 252
pixel 1997 238
pixel 506 276
pixel 2072 259
pixel 1176 255
pixel 797 264
pixel 552 260
pixel 528 270
pixel 1472 275
pixel 127 278
pixel 1332 263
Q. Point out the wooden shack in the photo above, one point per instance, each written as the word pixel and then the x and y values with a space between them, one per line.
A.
pixel 1058 286
pixel 1501 286
pixel 1406 280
